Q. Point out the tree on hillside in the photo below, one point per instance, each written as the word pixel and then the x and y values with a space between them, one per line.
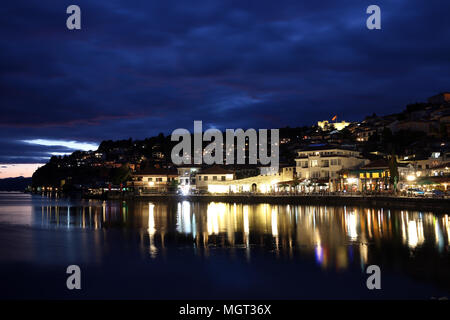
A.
pixel 120 175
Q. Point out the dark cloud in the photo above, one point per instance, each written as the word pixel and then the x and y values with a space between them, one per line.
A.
pixel 139 68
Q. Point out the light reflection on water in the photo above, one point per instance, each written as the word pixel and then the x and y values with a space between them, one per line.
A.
pixel 334 236
pixel 163 245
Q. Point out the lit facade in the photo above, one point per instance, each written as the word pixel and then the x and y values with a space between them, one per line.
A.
pixel 153 181
pixel 324 164
pixel 212 175
pixel 187 178
pixel 325 125
pixel 257 184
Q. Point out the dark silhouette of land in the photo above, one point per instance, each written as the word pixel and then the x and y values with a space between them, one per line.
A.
pixel 14 184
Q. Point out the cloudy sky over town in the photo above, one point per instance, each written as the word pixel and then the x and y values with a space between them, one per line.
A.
pixel 137 68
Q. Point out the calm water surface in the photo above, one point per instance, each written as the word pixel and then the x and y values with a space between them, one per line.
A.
pixel 186 250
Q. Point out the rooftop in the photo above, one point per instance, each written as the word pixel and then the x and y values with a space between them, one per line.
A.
pixel 215 170
pixel 325 147
pixel 157 171
pixel 376 164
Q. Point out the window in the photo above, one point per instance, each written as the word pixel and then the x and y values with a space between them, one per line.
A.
pixel 334 162
pixel 223 178
pixel 215 178
pixel 158 179
pixel 199 178
pixel 150 179
pixel 205 178
pixel 314 163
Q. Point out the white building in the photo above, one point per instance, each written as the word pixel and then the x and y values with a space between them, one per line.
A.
pixel 187 178
pixel 326 125
pixel 323 163
pixel 211 175
pixel 153 180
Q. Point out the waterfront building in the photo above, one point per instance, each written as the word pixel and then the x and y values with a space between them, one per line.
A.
pixel 425 166
pixel 375 176
pixel 257 184
pixel 266 182
pixel 187 178
pixel 288 173
pixel 322 164
pixel 153 180
pixel 441 169
pixel 212 175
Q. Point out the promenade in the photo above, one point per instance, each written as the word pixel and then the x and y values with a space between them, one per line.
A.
pixel 396 202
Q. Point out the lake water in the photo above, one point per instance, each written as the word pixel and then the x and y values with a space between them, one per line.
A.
pixel 185 250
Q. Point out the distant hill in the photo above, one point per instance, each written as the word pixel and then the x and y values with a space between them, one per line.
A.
pixel 14 184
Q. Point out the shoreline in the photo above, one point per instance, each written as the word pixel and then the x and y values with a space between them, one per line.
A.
pixel 432 204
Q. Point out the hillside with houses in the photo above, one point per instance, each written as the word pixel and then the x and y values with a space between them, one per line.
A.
pixel 390 153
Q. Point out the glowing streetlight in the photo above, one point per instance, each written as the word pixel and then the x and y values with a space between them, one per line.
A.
pixel 352 180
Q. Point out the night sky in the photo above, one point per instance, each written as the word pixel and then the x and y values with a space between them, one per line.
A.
pixel 137 68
